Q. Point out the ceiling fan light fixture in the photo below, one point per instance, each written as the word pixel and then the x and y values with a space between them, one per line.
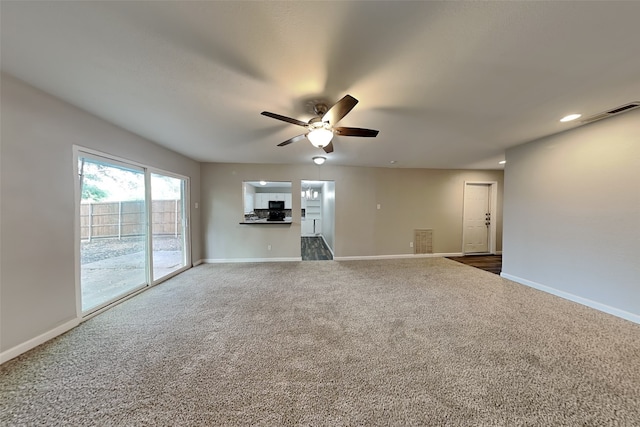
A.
pixel 570 117
pixel 318 160
pixel 320 137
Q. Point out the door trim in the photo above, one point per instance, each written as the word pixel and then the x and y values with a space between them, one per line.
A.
pixel 328 212
pixel 493 204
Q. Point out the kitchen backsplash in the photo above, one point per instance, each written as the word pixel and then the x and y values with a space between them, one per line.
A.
pixel 263 214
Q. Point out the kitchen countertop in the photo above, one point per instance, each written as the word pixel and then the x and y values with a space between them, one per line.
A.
pixel 287 220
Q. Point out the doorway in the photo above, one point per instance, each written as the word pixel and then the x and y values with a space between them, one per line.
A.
pixel 479 229
pixel 132 228
pixel 317 229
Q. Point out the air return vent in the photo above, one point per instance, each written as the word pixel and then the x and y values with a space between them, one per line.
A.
pixel 622 109
pixel 423 239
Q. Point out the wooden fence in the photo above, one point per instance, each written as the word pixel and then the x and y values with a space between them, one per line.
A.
pixel 122 219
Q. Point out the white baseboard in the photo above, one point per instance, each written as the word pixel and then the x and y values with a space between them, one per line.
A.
pixel 343 258
pixel 327 245
pixel 40 339
pixel 399 256
pixel 225 260
pixel 571 297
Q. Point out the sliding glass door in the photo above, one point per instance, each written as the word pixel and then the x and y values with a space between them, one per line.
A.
pixel 113 237
pixel 133 228
pixel 167 224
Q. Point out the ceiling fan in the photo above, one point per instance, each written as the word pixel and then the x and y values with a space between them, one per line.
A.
pixel 320 129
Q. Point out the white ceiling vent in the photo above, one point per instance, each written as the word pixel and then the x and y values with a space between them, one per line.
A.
pixel 619 110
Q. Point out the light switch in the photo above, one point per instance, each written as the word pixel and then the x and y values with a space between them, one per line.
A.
pixel 378 207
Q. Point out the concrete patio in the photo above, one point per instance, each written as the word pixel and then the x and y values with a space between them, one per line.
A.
pixel 109 278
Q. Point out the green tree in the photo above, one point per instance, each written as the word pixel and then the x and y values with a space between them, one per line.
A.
pixel 89 184
pixel 93 193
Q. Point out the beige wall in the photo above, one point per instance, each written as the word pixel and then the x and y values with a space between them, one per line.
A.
pixel 37 261
pixel 409 199
pixel 572 215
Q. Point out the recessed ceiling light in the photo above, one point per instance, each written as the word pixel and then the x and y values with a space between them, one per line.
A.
pixel 570 117
pixel 502 162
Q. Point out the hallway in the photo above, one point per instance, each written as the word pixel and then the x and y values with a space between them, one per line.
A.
pixel 314 249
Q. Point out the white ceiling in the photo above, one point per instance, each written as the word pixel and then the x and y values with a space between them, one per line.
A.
pixel 448 84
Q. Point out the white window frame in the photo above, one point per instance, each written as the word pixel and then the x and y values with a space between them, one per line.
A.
pixel 80 151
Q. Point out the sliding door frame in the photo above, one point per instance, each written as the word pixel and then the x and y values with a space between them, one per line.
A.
pixel 80 151
pixel 186 215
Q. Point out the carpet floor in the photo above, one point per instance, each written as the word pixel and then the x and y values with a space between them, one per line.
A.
pixel 424 341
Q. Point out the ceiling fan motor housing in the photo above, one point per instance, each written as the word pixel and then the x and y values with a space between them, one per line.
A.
pixel 317 123
pixel 320 109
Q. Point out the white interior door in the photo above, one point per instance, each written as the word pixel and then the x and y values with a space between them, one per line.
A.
pixel 477 218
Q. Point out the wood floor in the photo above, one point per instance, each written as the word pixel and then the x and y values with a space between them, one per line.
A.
pixel 314 249
pixel 490 263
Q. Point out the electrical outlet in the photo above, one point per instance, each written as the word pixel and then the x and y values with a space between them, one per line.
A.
pixel 410 244
pixel 268 247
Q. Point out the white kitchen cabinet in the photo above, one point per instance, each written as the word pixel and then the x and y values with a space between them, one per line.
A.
pixel 248 203
pixel 307 227
pixel 262 199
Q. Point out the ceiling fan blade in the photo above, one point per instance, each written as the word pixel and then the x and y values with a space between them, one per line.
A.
pixel 355 132
pixel 339 110
pixel 291 140
pixel 329 148
pixel 284 118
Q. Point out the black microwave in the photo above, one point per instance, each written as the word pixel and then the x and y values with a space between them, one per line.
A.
pixel 276 205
